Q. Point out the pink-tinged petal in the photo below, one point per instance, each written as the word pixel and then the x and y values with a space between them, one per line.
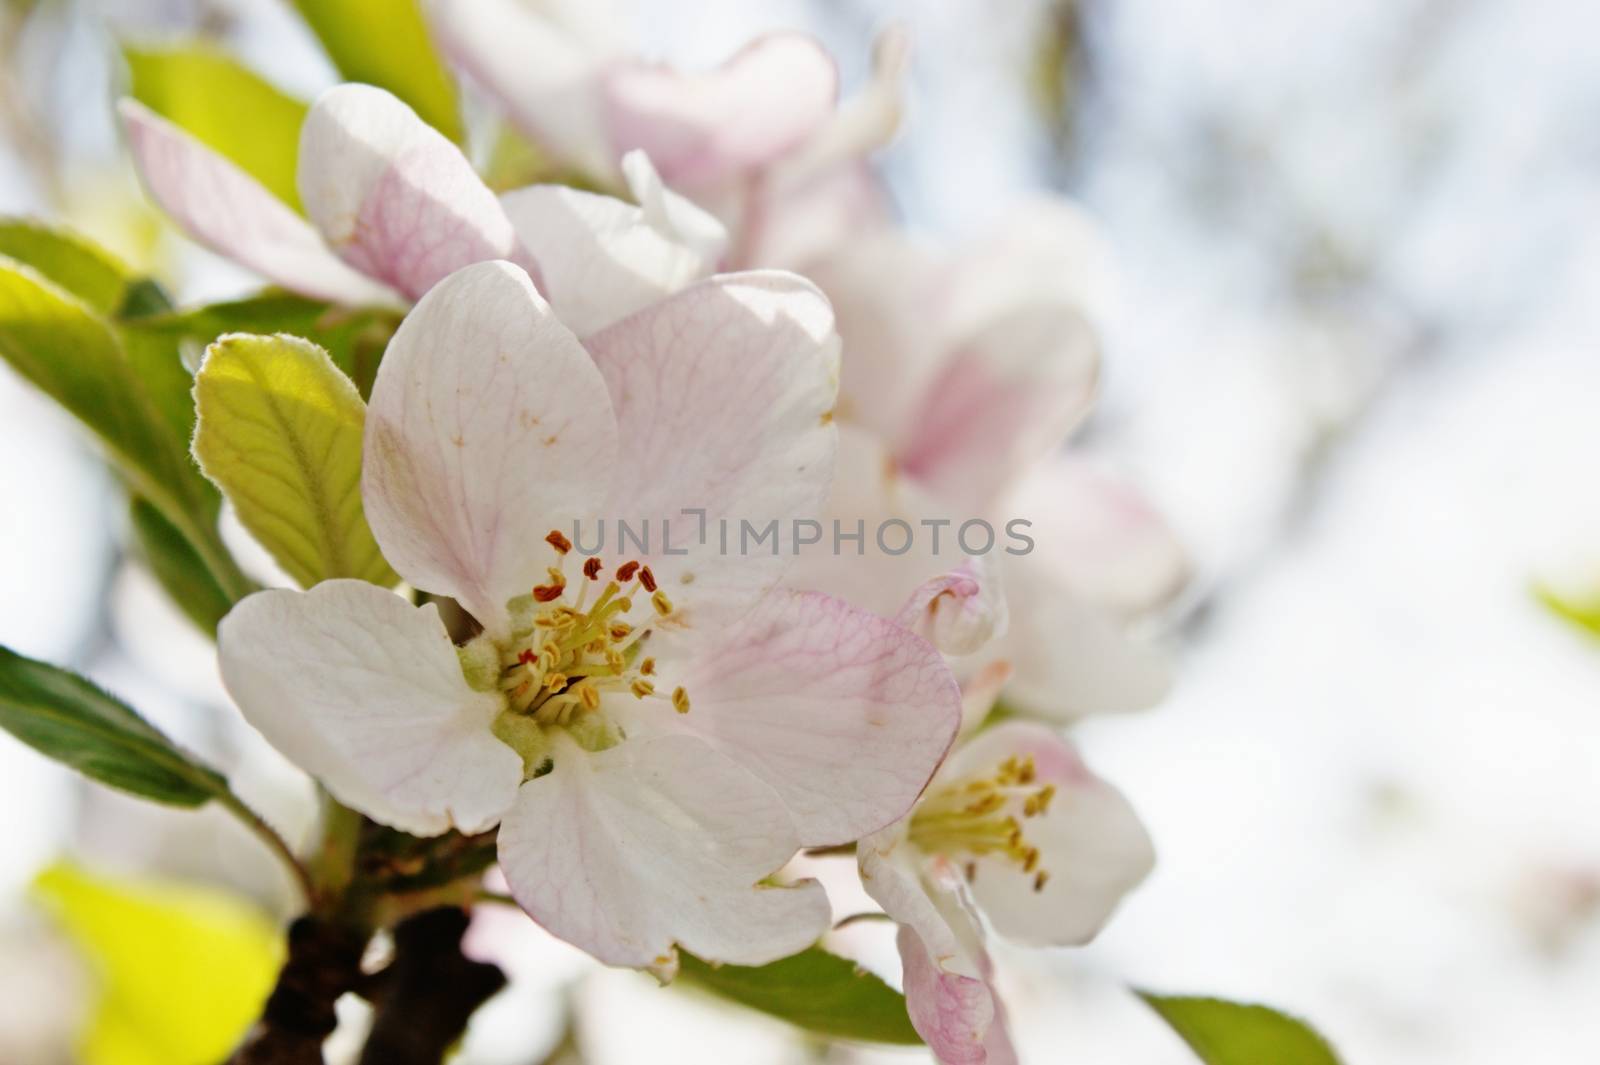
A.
pixel 952 1013
pixel 546 78
pixel 844 714
pixel 1004 398
pixel 365 692
pixel 234 215
pixel 1072 658
pixel 488 427
pixel 653 843
pixel 1100 537
pixel 600 259
pixel 959 611
pixel 392 195
pixel 724 395
pixel 1091 843
pixel 706 129
pixel 945 965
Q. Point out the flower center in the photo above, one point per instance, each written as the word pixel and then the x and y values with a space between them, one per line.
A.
pixel 574 642
pixel 984 817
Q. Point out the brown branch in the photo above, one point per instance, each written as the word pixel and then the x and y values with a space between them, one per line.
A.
pixel 429 992
pixel 324 962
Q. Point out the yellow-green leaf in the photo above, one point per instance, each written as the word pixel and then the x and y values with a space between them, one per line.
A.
pixel 386 43
pixel 814 990
pixel 226 106
pixel 70 261
pixel 279 431
pixel 182 970
pixel 1232 1033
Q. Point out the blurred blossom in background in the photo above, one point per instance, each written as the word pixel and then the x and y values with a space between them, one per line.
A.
pixel 1351 349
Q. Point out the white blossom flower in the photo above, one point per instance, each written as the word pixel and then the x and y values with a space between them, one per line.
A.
pixel 761 140
pixel 963 377
pixel 393 206
pixel 1014 826
pixel 655 735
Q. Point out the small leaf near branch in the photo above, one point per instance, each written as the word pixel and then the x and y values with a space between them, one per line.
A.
pixel 1232 1033
pixel 814 990
pixel 279 431
pixel 65 717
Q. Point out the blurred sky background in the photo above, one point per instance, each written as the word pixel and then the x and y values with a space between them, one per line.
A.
pixel 1354 353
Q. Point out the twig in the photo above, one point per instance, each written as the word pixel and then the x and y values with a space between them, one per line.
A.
pixel 269 835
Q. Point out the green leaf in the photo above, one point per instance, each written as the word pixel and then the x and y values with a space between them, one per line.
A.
pixel 280 433
pixel 386 43
pixel 227 107
pixel 65 717
pixel 1230 1033
pixel 71 262
pixel 179 569
pixel 815 990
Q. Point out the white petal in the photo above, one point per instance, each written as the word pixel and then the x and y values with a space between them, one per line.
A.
pixel 546 77
pixel 233 214
pixel 364 691
pixel 653 843
pixel 673 215
pixel 488 427
pixel 843 713
pixel 1100 537
pixel 600 259
pixel 723 396
pixel 1072 658
pixel 393 195
pixel 1090 842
